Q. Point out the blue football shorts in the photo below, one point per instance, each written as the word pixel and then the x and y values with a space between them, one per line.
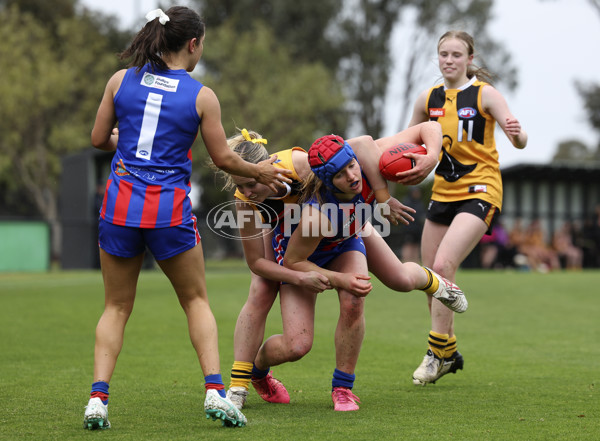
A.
pixel 322 258
pixel 162 242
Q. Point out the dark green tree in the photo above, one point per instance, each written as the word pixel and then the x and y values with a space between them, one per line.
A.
pixel 261 87
pixel 364 41
pixel 590 93
pixel 54 71
pixel 353 40
pixel 572 151
pixel 300 26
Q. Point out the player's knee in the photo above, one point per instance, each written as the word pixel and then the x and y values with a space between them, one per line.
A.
pixel 445 268
pixel 299 347
pixel 123 309
pixel 352 315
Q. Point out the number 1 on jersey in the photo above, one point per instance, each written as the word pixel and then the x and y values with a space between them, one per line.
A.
pixel 149 125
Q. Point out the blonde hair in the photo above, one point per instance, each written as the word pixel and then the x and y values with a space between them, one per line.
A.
pixel 249 151
pixel 311 186
pixel 472 70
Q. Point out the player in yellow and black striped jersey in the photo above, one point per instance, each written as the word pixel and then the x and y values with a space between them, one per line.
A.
pixel 467 188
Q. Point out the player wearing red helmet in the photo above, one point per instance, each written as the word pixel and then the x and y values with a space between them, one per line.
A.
pixel 335 238
pixel 252 197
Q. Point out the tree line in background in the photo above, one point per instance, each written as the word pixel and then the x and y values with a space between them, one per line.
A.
pixel 292 71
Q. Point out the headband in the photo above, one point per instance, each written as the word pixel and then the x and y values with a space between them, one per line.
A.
pixel 247 137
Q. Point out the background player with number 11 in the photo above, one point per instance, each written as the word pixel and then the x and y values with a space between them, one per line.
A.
pixel 467 188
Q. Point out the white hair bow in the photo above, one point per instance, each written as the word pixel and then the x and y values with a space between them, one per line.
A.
pixel 158 13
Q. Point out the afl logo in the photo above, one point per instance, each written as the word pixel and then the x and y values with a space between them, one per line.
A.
pixel 467 112
pixel 143 152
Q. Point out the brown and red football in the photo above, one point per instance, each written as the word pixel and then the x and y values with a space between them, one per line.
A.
pixel 392 160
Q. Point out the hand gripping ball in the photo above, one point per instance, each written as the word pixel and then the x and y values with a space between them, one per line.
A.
pixel 392 160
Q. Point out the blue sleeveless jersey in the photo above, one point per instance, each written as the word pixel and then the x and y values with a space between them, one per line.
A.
pixel 150 173
pixel 347 221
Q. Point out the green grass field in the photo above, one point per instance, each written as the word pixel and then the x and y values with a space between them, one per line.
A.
pixel 530 342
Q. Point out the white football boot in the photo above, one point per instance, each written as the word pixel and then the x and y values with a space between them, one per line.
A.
pixel 238 396
pixel 96 415
pixel 450 294
pixel 428 370
pixel 432 368
pixel 217 407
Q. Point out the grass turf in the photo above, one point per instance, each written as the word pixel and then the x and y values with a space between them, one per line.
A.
pixel 530 342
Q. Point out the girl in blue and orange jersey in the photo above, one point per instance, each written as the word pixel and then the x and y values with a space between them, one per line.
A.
pixel 159 108
pixel 273 208
pixel 276 210
pixel 335 237
pixel 333 256
pixel 467 188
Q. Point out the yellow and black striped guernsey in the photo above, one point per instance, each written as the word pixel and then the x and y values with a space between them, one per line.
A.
pixel 468 167
pixel 272 210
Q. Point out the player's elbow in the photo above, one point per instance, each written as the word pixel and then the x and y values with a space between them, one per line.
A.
pixel 434 126
pixel 366 139
pixel 290 262
pixel 100 142
pixel 222 162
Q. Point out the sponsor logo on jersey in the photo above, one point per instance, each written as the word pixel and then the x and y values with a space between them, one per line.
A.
pixel 467 112
pixel 478 189
pixel 159 82
pixel 436 112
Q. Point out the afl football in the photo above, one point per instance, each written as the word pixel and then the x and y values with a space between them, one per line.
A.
pixel 393 161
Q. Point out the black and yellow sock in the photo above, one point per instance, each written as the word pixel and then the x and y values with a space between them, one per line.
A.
pixel 241 373
pixel 432 284
pixel 451 347
pixel 437 343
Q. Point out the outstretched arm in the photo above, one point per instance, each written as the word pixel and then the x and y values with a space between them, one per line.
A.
pixel 368 153
pixel 223 157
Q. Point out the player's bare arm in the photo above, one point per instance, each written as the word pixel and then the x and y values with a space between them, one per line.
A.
pixel 104 135
pixel 301 246
pixel 494 103
pixel 253 243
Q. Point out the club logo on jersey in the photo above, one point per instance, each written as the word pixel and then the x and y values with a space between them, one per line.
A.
pixel 121 170
pixel 467 112
pixel 451 169
pixel 437 112
pixel 159 82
